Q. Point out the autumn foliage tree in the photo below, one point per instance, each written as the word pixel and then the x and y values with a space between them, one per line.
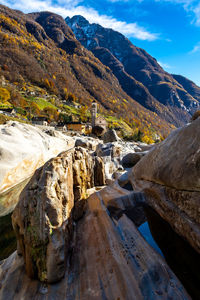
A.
pixel 51 113
pixel 4 95
pixel 71 97
pixel 83 113
pixel 34 108
pixel 17 99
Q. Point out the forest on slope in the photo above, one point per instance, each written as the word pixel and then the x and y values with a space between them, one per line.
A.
pixel 41 60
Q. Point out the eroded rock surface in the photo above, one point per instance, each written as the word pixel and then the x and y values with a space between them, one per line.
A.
pixel 110 136
pixel 89 248
pixel 109 260
pixel 87 142
pixel 110 153
pixel 23 149
pixel 132 158
pixel 43 217
pixel 170 177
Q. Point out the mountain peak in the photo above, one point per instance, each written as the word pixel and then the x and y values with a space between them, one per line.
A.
pixel 77 19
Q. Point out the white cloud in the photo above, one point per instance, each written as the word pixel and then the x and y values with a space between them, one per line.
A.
pixel 196 11
pixel 164 65
pixel 72 7
pixel 190 6
pixel 195 49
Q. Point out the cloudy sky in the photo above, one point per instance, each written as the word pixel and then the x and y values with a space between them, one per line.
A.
pixel 168 29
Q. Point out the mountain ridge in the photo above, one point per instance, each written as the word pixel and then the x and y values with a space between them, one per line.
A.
pixel 39 52
pixel 152 86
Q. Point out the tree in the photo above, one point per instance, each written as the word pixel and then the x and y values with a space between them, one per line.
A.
pixel 71 97
pixel 16 99
pixel 65 118
pixel 140 135
pixel 4 95
pixel 83 113
pixel 51 113
pixel 34 108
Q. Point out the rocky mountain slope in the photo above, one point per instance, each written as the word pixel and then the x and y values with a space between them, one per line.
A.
pixel 39 52
pixel 139 74
pixel 188 85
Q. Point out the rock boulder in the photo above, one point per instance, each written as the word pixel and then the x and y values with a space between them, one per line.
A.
pixel 170 177
pixel 132 158
pixel 110 260
pixel 110 153
pixel 110 136
pixel 23 149
pixel 43 218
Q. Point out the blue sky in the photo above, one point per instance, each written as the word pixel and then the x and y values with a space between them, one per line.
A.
pixel 169 30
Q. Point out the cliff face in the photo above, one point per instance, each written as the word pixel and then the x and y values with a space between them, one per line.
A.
pixel 139 74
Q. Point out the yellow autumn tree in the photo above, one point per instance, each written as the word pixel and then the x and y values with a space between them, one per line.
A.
pixel 4 95
pixel 34 108
pixel 83 113
pixel 51 113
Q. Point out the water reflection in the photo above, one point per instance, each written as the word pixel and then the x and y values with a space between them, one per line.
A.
pixel 9 198
pixel 180 256
pixel 145 231
pixel 8 201
pixel 8 241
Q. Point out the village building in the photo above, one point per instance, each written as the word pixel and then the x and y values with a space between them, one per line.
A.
pixel 40 121
pixel 79 127
pixel 100 121
pixel 76 126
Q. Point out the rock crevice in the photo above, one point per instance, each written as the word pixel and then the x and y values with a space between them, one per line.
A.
pixel 43 218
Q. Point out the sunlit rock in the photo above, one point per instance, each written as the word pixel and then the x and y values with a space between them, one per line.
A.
pixel 170 177
pixel 23 149
pixel 109 260
pixel 43 218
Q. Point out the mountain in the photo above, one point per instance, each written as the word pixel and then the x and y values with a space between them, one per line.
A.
pixel 189 86
pixel 39 55
pixel 139 74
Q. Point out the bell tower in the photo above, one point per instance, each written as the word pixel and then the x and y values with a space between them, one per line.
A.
pixel 94 113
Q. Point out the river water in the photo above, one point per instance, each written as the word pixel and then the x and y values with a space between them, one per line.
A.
pixel 8 241
pixel 8 200
pixel 180 256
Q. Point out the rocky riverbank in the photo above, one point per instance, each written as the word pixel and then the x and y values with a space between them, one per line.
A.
pixel 106 258
pixel 76 221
